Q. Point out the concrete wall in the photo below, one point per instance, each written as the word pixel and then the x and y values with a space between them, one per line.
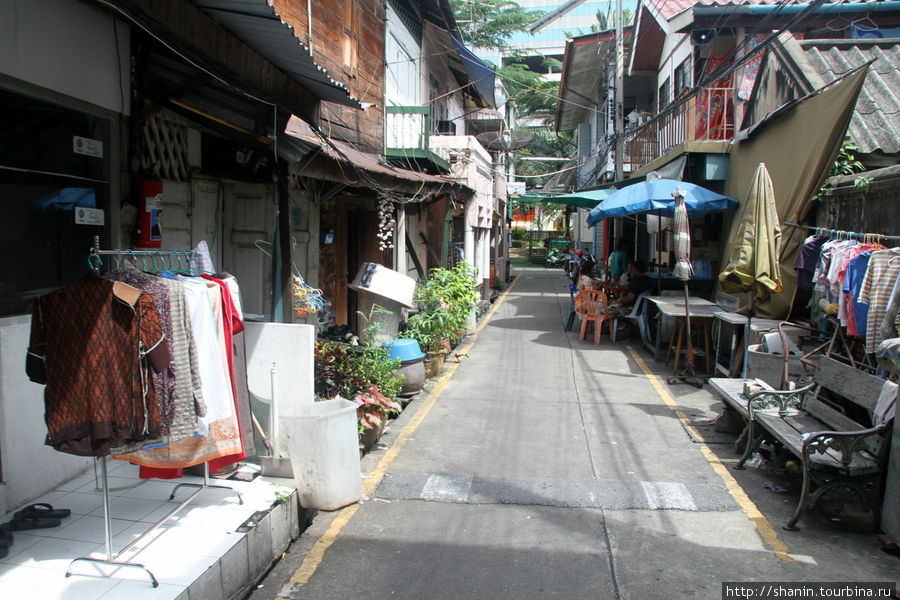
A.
pixel 70 47
pixel 58 49
pixel 30 468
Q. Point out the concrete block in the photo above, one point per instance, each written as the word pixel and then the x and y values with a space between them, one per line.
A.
pixel 279 520
pixel 209 585
pixel 259 549
pixel 236 570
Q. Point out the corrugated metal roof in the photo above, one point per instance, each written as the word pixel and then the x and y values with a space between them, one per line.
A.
pixel 669 8
pixel 371 163
pixel 875 125
pixel 584 68
pixel 257 24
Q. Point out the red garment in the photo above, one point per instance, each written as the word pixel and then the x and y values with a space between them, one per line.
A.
pixel 233 325
pixel 94 346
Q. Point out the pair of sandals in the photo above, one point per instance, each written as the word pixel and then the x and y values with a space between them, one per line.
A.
pixel 34 516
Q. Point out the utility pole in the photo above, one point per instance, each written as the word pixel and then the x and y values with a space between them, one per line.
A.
pixel 620 95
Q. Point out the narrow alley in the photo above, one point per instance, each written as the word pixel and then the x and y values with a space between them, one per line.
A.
pixel 539 466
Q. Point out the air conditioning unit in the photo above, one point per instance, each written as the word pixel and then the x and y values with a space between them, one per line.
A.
pixel 703 37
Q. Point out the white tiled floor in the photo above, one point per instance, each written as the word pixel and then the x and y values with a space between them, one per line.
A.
pixel 177 553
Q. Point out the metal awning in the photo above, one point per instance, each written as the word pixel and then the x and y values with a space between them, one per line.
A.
pixel 403 180
pixel 257 24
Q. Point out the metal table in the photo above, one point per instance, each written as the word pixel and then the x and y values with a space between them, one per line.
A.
pixel 672 307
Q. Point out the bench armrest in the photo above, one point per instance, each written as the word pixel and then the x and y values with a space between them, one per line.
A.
pixel 783 400
pixel 845 442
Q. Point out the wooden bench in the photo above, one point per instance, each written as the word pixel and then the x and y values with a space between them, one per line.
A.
pixel 828 425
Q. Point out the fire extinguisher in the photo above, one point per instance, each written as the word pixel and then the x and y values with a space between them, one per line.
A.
pixel 149 227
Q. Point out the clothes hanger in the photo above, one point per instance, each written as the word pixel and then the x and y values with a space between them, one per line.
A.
pixel 865 23
pixel 94 261
pixel 838 23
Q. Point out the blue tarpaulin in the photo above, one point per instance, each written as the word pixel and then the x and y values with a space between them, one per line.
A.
pixel 481 74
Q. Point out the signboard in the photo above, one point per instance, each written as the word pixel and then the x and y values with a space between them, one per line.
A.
pixel 89 216
pixel 515 188
pixel 87 146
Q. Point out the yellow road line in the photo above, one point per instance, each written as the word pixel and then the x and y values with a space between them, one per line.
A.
pixel 762 525
pixel 308 568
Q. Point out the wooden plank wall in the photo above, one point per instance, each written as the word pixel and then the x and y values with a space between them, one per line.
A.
pixel 353 56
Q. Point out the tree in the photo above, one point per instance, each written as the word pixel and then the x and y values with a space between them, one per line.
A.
pixel 490 24
pixel 528 89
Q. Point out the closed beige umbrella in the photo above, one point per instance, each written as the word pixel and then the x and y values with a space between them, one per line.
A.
pixel 753 264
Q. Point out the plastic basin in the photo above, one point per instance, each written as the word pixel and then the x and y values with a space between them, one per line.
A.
pixel 406 349
pixel 323 443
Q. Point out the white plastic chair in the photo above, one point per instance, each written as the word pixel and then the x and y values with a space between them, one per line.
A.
pixel 636 315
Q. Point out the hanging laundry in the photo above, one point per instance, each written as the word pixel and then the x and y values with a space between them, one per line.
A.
pixel 93 343
pixel 878 283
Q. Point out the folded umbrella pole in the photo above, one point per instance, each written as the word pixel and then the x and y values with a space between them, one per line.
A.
pixel 683 271
pixel 756 249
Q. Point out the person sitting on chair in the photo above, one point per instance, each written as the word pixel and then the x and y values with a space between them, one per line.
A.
pixel 637 282
pixel 585 282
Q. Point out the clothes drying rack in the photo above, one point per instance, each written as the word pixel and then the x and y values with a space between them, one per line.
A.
pixel 166 258
pixel 846 235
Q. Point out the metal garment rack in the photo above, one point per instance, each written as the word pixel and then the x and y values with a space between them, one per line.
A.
pixel 841 234
pixel 166 257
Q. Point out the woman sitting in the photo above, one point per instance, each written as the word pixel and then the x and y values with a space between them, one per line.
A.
pixel 585 282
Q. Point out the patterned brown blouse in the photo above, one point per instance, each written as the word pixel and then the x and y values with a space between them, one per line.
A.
pixel 95 348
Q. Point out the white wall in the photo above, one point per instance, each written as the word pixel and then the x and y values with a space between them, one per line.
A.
pixel 69 47
pixel 73 49
pixel 402 60
pixel 30 468
pixel 676 48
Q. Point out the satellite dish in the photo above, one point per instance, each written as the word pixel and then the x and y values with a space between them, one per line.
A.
pixel 505 140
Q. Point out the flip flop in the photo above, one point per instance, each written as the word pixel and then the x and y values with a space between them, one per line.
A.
pixel 25 523
pixel 6 540
pixel 42 510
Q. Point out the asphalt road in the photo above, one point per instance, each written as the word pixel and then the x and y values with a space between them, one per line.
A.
pixel 539 466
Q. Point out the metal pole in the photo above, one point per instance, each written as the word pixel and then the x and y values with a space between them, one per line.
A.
pixel 620 94
pixel 273 410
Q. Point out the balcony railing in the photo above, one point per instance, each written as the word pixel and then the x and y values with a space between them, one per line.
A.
pixel 407 126
pixel 407 133
pixel 707 115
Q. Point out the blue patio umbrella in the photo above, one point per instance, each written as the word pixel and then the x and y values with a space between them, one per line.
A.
pixel 654 197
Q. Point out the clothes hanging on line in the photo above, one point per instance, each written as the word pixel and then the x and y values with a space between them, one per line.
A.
pixel 219 439
pixel 94 344
pixel 93 350
pixel 858 281
pixel 181 397
pixel 878 283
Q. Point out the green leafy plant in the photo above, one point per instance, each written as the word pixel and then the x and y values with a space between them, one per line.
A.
pixel 845 163
pixel 373 408
pixel 282 493
pixel 374 363
pixel 446 300
pixel 365 374
pixel 863 183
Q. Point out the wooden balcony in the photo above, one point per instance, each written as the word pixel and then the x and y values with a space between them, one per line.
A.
pixel 706 116
pixel 407 134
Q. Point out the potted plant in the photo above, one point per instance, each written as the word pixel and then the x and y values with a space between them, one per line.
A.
pixel 446 301
pixel 372 412
pixel 366 375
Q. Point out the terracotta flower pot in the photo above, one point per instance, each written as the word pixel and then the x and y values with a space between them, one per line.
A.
pixel 434 364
